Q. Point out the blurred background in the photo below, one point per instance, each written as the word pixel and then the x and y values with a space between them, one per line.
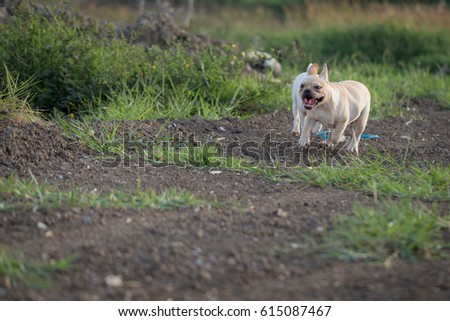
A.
pixel 77 61
pixel 377 31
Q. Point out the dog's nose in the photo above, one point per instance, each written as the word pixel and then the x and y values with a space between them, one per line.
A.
pixel 307 91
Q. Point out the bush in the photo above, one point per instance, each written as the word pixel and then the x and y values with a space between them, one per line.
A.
pixel 78 67
pixel 68 63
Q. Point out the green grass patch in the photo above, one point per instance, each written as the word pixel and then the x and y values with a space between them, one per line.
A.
pixel 29 194
pixel 17 271
pixel 376 175
pixel 391 229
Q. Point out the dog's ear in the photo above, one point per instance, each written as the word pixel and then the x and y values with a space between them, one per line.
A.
pixel 313 70
pixel 324 73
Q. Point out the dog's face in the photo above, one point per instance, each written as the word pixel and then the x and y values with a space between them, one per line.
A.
pixel 313 89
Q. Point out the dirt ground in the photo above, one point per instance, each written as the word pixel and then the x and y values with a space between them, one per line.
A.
pixel 247 249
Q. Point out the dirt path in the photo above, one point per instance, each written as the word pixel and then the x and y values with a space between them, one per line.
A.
pixel 248 248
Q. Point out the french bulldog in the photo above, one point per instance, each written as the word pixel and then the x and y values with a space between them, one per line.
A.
pixel 334 105
pixel 298 110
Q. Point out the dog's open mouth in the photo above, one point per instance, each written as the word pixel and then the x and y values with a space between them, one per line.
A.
pixel 311 103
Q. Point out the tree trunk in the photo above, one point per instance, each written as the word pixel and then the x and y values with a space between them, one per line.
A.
pixel 190 12
pixel 141 8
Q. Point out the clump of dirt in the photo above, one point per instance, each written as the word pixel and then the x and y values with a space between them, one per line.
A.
pixel 159 28
pixel 23 143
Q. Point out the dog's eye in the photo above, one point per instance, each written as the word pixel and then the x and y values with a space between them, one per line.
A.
pixel 302 86
pixel 317 87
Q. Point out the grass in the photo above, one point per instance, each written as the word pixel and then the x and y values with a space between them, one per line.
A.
pixel 87 69
pixel 14 271
pixel 68 63
pixel 387 231
pixel 14 99
pixel 392 229
pixel 374 174
pixel 29 194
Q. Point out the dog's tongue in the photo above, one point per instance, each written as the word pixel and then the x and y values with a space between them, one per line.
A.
pixel 308 101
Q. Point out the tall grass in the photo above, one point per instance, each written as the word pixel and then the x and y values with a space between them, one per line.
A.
pixel 14 99
pixel 176 85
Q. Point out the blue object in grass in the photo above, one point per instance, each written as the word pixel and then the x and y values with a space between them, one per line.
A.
pixel 324 135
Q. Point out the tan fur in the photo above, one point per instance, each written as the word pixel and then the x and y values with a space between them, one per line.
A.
pixel 336 104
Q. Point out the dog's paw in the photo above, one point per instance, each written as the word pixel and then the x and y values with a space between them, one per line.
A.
pixel 325 143
pixel 352 148
pixel 295 133
pixel 303 142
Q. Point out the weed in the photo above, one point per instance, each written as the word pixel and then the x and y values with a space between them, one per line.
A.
pixel 402 229
pixel 16 271
pixel 14 100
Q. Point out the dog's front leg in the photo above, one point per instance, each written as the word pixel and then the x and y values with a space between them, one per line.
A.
pixel 296 125
pixel 306 131
pixel 301 117
pixel 337 135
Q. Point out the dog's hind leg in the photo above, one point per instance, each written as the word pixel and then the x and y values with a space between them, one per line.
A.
pixel 358 128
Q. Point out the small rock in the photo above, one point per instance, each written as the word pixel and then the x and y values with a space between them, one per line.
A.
pixel 113 281
pixel 206 276
pixel 196 251
pixel 49 234
pixel 41 225
pixel 282 213
pixel 222 129
pixel 215 172
pixel 87 220
pixel 199 262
